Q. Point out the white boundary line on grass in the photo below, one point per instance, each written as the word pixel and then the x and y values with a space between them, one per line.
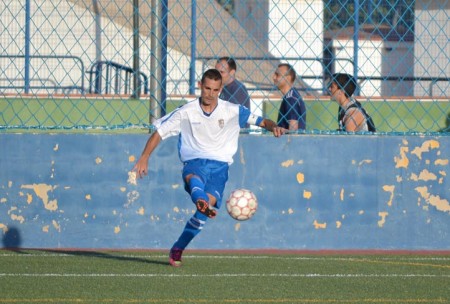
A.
pixel 226 275
pixel 321 258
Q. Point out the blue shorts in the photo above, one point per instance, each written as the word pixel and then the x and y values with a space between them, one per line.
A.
pixel 214 175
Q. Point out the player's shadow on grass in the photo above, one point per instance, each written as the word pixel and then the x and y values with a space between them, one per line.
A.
pixel 103 255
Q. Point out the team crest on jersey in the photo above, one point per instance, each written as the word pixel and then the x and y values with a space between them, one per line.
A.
pixel 221 123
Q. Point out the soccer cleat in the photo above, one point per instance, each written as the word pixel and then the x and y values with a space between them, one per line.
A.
pixel 203 207
pixel 175 257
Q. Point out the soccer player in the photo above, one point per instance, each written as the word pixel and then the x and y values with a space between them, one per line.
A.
pixel 208 129
pixel 292 112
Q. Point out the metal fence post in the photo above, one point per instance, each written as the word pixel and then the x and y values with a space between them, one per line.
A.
pixel 27 47
pixel 193 47
pixel 356 45
pixel 155 63
pixel 136 69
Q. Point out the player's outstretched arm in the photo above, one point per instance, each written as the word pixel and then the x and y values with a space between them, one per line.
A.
pixel 271 126
pixel 141 166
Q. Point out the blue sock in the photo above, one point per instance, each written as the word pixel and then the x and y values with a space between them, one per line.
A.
pixel 192 228
pixel 197 189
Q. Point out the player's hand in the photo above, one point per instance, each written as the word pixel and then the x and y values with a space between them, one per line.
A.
pixel 278 131
pixel 141 167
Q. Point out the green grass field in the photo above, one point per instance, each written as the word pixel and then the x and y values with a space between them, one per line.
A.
pixel 42 276
pixel 84 114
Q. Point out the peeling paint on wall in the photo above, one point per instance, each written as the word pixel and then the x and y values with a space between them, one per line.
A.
pixel 18 218
pixel 237 226
pixel 141 211
pixel 383 216
pixel 29 198
pixel 41 190
pixel 300 178
pixel 307 194
pixel 52 175
pixel 94 211
pixel 441 162
pixel 132 196
pixel 425 175
pixel 318 225
pixel 402 161
pixel 434 200
pixel 390 189
pixel 132 178
pixel 287 163
pixel 426 147
pixel 56 226
pixel 242 156
pixel 4 228
pixel 425 178
pixel 154 218
pixel 365 161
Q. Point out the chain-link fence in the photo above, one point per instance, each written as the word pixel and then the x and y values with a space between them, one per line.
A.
pixel 118 64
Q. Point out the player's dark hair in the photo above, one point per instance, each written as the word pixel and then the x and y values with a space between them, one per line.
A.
pixel 291 70
pixel 231 62
pixel 211 74
pixel 345 82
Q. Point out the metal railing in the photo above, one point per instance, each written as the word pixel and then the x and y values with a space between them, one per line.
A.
pixel 25 83
pixel 324 77
pixel 107 77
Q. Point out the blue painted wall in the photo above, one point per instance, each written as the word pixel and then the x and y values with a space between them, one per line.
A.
pixel 314 192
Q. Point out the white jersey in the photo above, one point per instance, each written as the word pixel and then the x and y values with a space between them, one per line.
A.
pixel 209 136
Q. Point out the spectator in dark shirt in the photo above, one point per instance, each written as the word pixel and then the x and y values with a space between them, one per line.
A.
pixel 292 113
pixel 233 90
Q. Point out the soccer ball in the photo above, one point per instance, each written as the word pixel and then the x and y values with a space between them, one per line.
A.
pixel 242 204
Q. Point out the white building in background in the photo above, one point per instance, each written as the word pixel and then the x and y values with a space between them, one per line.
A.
pixel 296 30
pixel 382 52
pixel 281 28
pixel 432 47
